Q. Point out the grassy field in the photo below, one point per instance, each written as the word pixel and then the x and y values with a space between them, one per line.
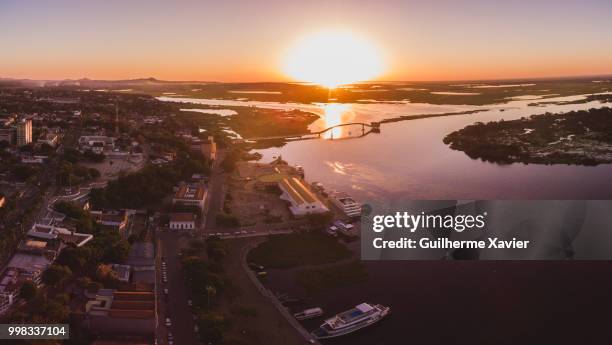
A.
pixel 287 251
pixel 320 279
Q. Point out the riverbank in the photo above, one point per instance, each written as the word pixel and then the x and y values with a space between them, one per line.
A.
pixel 267 326
pixel 574 138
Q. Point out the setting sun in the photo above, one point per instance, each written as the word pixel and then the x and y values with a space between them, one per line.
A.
pixel 333 58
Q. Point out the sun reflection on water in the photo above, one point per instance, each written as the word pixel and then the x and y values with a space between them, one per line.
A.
pixel 335 114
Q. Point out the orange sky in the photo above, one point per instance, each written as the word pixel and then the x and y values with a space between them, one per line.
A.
pixel 247 40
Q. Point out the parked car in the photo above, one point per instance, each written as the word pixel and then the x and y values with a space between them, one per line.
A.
pixel 256 267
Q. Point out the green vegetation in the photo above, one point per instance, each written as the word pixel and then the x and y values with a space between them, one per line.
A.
pixel 28 290
pixel 106 247
pixel 84 221
pixel 227 220
pixel 70 174
pixel 228 164
pixel 206 282
pixel 212 325
pixel 257 122
pixel 74 156
pixel 298 249
pixel 575 138
pixel 24 172
pixel 56 274
pixel 417 92
pixel 316 280
pixel 148 186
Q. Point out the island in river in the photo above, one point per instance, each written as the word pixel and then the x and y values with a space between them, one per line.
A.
pixel 573 138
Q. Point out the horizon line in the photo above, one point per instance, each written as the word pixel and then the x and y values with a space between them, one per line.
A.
pixel 558 77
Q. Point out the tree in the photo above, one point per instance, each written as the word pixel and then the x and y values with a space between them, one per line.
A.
pixel 107 275
pixel 56 274
pixel 216 249
pixel 210 293
pixel 54 311
pixel 93 287
pixel 75 258
pixel 117 253
pixel 28 290
pixel 211 326
pixel 227 220
pixel 23 172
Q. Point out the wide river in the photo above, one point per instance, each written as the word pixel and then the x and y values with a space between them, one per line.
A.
pixel 408 158
pixel 450 302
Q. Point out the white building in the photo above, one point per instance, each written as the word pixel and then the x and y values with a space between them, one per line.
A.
pixel 302 200
pixel 182 221
pixel 346 204
pixel 97 143
pixel 50 232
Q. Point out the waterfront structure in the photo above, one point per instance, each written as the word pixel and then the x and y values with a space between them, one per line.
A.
pixel 182 221
pixel 308 314
pixel 346 204
pixel 190 195
pixel 24 132
pixel 301 199
pixel 363 315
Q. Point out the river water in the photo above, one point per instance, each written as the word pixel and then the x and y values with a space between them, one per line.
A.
pixel 444 302
pixel 408 159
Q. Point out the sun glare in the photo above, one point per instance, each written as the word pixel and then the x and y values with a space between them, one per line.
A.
pixel 333 58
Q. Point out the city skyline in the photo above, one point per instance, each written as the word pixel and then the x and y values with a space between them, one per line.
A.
pixel 241 41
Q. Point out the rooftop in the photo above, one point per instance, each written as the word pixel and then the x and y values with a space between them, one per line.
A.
pixel 182 217
pixel 186 192
pixel 297 190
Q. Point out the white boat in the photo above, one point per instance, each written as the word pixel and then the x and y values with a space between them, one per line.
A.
pixel 345 228
pixel 308 313
pixel 363 315
pixel 332 231
pixel 346 204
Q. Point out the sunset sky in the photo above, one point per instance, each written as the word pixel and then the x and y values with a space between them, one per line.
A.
pixel 247 40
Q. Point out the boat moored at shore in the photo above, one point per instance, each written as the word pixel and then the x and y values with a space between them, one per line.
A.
pixel 346 204
pixel 308 314
pixel 363 315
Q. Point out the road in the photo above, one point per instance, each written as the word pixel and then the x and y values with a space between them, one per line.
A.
pixel 215 194
pixel 175 304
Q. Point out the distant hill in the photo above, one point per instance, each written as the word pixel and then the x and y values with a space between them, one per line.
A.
pixel 94 84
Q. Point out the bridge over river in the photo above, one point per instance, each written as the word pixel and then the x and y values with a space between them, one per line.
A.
pixel 366 128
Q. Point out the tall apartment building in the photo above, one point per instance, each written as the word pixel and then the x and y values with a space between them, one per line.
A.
pixel 24 132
